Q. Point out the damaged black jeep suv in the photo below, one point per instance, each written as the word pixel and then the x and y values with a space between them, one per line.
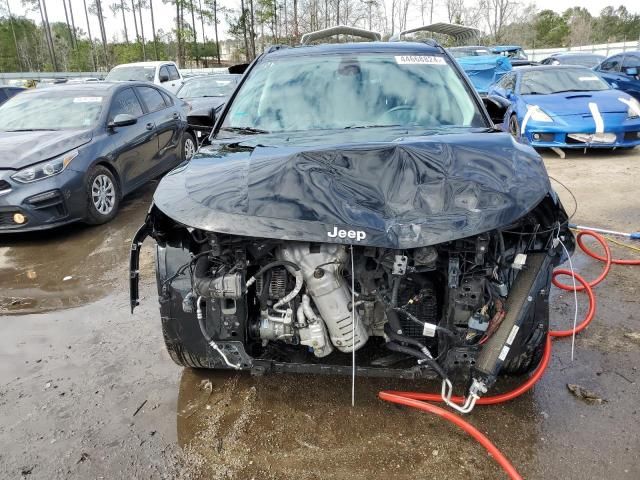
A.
pixel 357 198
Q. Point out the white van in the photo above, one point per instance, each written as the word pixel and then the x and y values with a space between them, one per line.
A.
pixel 165 74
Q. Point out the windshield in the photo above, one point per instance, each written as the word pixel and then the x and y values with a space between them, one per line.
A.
pixel 556 80
pixel 64 111
pixel 207 87
pixel 581 60
pixel 139 74
pixel 338 91
pixel 469 52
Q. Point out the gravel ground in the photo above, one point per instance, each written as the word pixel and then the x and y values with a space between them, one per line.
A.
pixel 88 391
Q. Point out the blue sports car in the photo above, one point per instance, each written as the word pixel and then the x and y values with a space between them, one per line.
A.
pixel 567 107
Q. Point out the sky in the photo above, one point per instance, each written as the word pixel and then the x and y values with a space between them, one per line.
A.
pixel 165 14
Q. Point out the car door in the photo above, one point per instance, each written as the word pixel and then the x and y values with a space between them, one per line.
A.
pixel 135 145
pixel 167 126
pixel 175 81
pixel 610 70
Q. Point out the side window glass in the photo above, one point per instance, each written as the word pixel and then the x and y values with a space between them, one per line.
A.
pixel 511 82
pixel 151 98
pixel 631 61
pixel 173 73
pixel 165 71
pixel 611 65
pixel 125 101
pixel 3 96
pixel 167 99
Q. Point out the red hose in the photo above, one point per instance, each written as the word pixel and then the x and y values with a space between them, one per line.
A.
pixel 458 421
pixel 418 399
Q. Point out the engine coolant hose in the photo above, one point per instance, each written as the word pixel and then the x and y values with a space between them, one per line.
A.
pixel 418 399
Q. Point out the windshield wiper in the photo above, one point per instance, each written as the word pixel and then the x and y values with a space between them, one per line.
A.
pixel 350 127
pixel 34 130
pixel 244 130
pixel 574 90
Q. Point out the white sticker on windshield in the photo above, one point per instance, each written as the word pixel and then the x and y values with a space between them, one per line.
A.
pixel 587 79
pixel 419 60
pixel 87 100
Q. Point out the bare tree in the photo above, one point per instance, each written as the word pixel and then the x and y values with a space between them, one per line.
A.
pixel 142 4
pixel 497 13
pixel 93 54
pixel 13 32
pixel 73 25
pixel 66 16
pixel 120 7
pixel 153 28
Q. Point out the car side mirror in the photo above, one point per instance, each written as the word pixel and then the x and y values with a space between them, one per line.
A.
pixel 631 71
pixel 164 77
pixel 122 120
pixel 496 107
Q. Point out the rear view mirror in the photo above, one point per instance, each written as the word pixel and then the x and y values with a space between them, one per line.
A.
pixel 164 77
pixel 496 107
pixel 123 120
pixel 631 71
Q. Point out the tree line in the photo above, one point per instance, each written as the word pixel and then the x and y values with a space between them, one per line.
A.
pixel 195 37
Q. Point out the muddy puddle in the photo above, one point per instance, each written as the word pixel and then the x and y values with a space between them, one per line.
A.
pixel 69 266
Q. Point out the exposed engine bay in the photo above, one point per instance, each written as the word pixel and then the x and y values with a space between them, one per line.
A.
pixel 272 305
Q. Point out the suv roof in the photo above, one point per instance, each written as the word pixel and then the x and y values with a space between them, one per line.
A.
pixel 145 64
pixel 417 48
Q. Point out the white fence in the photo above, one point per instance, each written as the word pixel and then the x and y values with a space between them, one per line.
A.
pixel 605 49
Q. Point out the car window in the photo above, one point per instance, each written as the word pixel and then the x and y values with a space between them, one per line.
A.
pixel 152 98
pixel 173 72
pixel 142 74
pixel 301 93
pixel 125 101
pixel 508 82
pixel 631 61
pixel 611 64
pixel 167 99
pixel 556 80
pixel 3 96
pixel 164 71
pixel 41 110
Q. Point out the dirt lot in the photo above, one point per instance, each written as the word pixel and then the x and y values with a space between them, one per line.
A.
pixel 87 390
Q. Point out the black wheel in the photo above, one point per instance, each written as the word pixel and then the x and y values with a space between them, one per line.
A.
pixel 182 337
pixel 189 146
pixel 103 195
pixel 514 127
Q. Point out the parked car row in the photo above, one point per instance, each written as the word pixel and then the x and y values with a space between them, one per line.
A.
pixel 570 100
pixel 72 151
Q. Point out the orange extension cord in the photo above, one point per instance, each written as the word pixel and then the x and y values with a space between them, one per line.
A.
pixel 418 400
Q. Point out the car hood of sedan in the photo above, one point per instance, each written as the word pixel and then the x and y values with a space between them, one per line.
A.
pixel 577 103
pixel 410 192
pixel 21 149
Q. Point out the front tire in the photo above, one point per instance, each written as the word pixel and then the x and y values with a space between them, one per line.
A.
pixel 514 127
pixel 188 146
pixel 103 196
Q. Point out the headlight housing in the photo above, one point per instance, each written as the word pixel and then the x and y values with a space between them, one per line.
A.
pixel 538 115
pixel 45 169
pixel 634 108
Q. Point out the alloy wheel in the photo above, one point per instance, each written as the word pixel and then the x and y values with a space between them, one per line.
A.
pixel 103 194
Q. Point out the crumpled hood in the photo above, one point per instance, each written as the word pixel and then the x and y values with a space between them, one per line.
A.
pixel 403 194
pixel 21 149
pixel 577 103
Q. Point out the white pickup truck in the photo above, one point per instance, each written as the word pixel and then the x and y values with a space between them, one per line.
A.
pixel 165 74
